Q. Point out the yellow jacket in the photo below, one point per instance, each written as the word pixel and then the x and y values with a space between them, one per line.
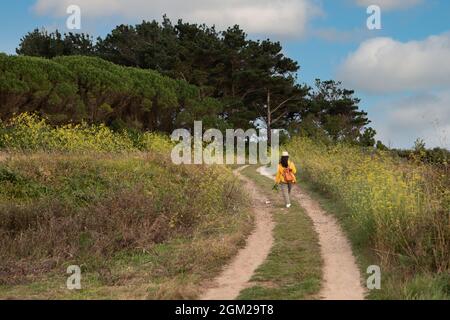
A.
pixel 279 178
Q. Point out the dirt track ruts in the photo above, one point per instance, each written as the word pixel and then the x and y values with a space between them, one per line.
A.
pixel 236 275
pixel 341 275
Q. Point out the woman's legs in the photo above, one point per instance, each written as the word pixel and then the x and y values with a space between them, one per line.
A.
pixel 285 190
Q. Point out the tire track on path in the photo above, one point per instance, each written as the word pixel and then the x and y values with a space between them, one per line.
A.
pixel 236 275
pixel 341 275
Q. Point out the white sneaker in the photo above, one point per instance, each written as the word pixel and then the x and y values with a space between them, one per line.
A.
pixel 288 205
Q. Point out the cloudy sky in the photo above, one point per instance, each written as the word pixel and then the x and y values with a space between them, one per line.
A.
pixel 401 72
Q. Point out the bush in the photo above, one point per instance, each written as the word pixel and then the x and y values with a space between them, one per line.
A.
pixel 83 194
pixel 401 209
pixel 74 209
pixel 29 132
pixel 79 88
pixel 36 84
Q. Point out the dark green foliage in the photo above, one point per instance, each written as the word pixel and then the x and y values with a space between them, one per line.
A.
pixel 438 155
pixel 223 65
pixel 36 84
pixel 331 113
pixel 239 82
pixel 367 138
pixel 79 88
pixel 380 146
pixel 40 43
pixel 435 156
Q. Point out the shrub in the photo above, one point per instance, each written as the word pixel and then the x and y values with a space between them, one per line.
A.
pixel 29 84
pixel 29 132
pixel 78 88
pixel 401 209
pixel 59 209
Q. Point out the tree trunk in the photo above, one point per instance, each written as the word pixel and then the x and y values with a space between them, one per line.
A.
pixel 232 81
pixel 269 119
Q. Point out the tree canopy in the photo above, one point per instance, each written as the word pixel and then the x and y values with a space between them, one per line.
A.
pixel 239 80
pixel 79 88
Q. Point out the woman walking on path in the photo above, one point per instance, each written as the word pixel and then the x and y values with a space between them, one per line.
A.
pixel 285 177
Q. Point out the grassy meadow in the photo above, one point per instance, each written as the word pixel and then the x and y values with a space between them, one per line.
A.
pixel 112 203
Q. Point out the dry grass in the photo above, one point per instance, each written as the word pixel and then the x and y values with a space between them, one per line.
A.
pixel 130 221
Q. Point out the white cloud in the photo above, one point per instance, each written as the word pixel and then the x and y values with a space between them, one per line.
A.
pixel 281 17
pixel 389 4
pixel 425 116
pixel 383 65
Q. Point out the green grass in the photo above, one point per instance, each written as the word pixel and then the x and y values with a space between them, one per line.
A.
pixel 293 267
pixel 396 284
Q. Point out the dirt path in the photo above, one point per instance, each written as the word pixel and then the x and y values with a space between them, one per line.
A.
pixel 342 279
pixel 237 274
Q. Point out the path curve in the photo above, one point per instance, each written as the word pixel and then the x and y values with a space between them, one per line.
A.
pixel 236 275
pixel 341 275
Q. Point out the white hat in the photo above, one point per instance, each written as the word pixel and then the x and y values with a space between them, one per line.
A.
pixel 285 154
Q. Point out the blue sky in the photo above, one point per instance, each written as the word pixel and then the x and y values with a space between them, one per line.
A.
pixel 401 72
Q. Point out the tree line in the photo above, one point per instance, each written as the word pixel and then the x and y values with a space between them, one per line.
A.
pixel 238 82
pixel 78 88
